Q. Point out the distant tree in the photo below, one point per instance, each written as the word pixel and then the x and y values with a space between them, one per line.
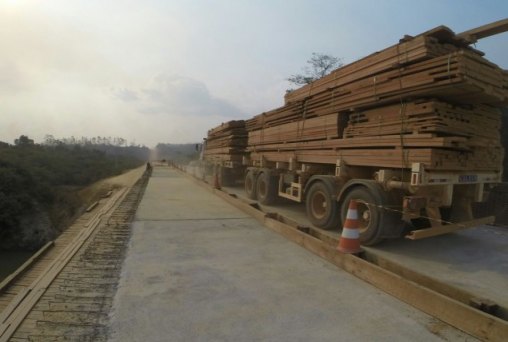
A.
pixel 23 140
pixel 318 65
pixel 49 140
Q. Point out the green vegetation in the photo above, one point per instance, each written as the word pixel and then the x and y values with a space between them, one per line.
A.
pixel 35 179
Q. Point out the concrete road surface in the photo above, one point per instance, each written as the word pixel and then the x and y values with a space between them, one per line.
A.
pixel 474 259
pixel 198 269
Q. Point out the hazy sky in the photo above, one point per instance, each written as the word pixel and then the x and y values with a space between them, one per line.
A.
pixel 167 71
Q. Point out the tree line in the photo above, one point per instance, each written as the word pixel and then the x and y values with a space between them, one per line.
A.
pixel 35 177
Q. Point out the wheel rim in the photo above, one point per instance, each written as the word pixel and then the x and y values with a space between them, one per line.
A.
pixel 364 215
pixel 319 205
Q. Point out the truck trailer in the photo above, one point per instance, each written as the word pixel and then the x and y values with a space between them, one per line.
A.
pixel 412 133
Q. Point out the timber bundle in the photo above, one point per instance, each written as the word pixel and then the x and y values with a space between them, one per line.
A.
pixel 226 142
pixel 430 99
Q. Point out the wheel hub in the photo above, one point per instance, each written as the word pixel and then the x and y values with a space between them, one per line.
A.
pixel 365 215
pixel 319 205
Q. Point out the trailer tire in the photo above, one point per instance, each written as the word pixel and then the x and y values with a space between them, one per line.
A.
pixel 250 185
pixel 370 216
pixel 322 208
pixel 266 188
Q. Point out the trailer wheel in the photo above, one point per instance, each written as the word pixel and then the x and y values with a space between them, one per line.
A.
pixel 322 209
pixel 266 188
pixel 370 215
pixel 250 185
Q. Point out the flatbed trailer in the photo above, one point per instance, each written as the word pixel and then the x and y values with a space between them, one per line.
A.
pixel 411 132
pixel 391 203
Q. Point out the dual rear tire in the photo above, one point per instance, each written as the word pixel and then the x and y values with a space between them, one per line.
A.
pixel 261 186
pixel 370 214
pixel 326 213
pixel 322 208
pixel 250 185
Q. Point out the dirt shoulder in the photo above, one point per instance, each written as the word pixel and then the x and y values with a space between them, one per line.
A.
pixel 95 191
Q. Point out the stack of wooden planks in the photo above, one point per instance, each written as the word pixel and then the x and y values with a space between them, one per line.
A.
pixel 428 116
pixel 226 142
pixel 429 99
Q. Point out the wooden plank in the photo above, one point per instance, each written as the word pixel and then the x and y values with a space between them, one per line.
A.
pixel 15 275
pixel 92 206
pixel 445 76
pixel 12 316
pixel 390 141
pixel 387 59
pixel 226 142
pixel 445 229
pixel 433 159
pixel 444 308
pixel 324 127
pixel 407 89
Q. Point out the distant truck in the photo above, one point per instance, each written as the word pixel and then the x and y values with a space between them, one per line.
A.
pixel 224 150
pixel 410 132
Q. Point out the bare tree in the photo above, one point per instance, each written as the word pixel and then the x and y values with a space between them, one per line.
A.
pixel 318 66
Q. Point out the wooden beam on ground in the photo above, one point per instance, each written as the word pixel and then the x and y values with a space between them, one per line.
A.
pixel 445 229
pixel 92 206
pixel 455 313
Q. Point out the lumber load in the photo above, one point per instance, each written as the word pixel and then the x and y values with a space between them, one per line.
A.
pixel 287 113
pixel 482 159
pixel 430 99
pixel 461 77
pixel 226 127
pixel 226 142
pixel 385 141
pixel 480 123
pixel 323 127
pixel 433 43
pixel 441 135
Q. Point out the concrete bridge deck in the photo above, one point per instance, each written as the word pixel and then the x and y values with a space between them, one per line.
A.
pixel 198 269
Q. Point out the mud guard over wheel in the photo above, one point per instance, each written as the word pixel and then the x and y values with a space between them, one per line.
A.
pixel 322 208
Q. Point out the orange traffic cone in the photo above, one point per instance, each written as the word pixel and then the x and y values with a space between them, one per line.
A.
pixel 216 183
pixel 350 239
